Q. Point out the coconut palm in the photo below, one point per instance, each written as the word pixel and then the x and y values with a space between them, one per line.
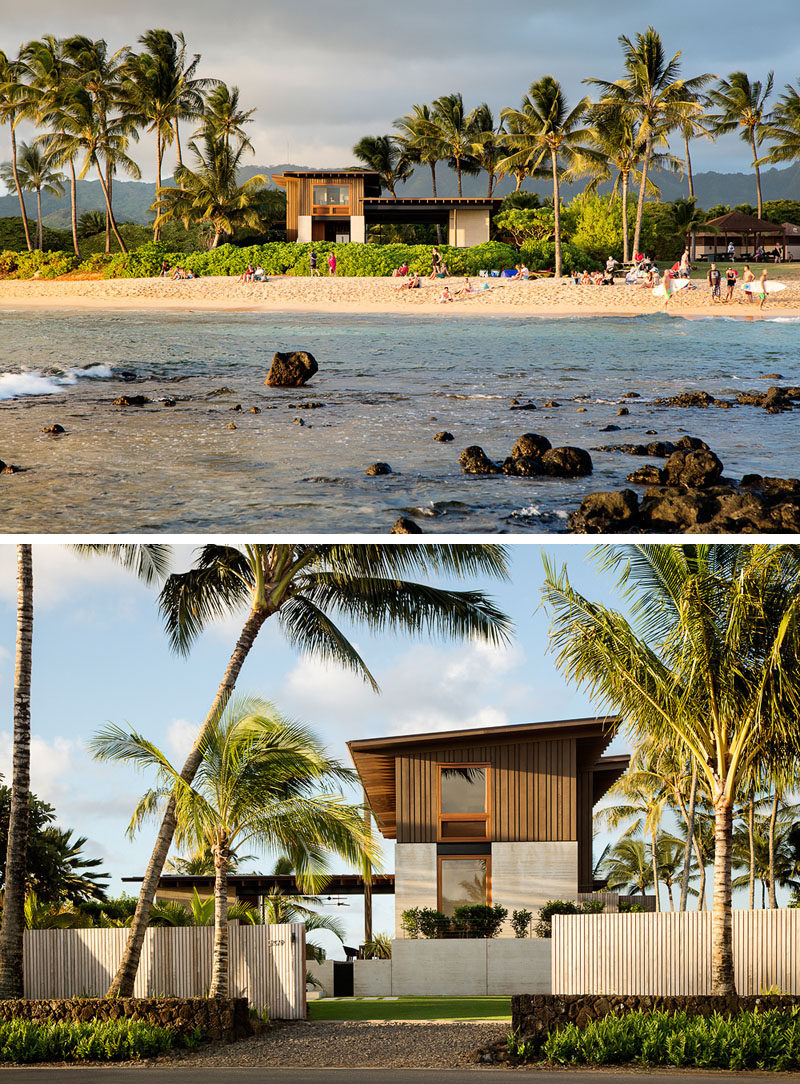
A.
pixel 687 219
pixel 384 154
pixel 224 119
pixel 211 192
pixel 77 875
pixel 742 106
pixel 489 145
pixel 709 662
pixel 638 799
pixel 692 124
pixel 417 140
pixel 653 95
pixel 261 781
pixel 11 91
pixel 306 586
pixel 545 129
pixel 451 131
pixel 627 867
pixel 35 172
pixel 783 129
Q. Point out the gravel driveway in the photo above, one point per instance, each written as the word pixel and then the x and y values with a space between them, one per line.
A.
pixel 351 1044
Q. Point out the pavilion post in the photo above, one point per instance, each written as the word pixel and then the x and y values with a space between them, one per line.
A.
pixel 367 879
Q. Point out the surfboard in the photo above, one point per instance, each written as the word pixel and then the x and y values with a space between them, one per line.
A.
pixel 677 284
pixel 768 287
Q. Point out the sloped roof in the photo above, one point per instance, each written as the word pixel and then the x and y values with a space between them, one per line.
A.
pixel 736 222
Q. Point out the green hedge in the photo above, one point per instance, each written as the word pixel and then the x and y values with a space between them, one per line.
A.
pixel 747 1040
pixel 94 1040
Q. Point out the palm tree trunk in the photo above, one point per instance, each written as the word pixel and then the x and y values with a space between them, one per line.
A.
pixel 159 156
pixel 654 863
pixel 219 970
pixel 110 220
pixel 122 983
pixel 12 926
pixel 687 853
pixel 701 892
pixel 689 173
pixel 637 233
pixel 178 152
pixel 73 199
pixel 39 232
pixel 722 974
pixel 557 211
pixel 18 186
pixel 109 212
pixel 752 846
pixel 758 175
pixel 626 252
pixel 458 173
pixel 367 874
pixel 772 820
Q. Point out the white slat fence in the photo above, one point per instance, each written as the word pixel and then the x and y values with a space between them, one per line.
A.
pixel 670 953
pixel 267 964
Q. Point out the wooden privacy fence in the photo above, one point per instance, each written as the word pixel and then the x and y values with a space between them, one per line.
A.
pixel 267 964
pixel 670 953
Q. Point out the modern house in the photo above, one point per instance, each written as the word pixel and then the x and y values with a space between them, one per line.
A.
pixel 341 205
pixel 499 815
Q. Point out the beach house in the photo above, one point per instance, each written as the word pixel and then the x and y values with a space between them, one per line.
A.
pixel 341 205
pixel 497 815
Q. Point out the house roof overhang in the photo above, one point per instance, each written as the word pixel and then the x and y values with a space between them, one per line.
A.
pixel 374 758
pixel 261 884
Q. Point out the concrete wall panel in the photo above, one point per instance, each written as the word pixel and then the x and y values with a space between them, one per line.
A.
pixel 526 875
pixel 372 978
pixel 518 966
pixel 414 878
pixel 438 968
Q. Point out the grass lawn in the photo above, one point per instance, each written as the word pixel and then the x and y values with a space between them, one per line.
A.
pixel 411 1008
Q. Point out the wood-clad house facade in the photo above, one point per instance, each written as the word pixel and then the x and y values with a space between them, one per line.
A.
pixel 525 819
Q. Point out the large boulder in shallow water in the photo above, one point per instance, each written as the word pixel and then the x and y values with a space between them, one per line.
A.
pixel 474 460
pixel 292 369
pixel 605 513
pixel 530 446
pixel 699 470
pixel 567 462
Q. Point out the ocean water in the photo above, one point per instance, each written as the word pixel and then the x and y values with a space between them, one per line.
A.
pixel 388 384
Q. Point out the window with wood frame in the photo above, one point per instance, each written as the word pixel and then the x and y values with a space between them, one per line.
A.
pixel 463 880
pixel 463 802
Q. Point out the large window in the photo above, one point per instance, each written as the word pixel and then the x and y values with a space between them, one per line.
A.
pixel 331 195
pixel 463 802
pixel 462 881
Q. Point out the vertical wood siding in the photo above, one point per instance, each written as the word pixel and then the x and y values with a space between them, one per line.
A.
pixel 532 789
pixel 267 964
pixel 670 953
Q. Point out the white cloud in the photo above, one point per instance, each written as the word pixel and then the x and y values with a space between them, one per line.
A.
pixel 180 735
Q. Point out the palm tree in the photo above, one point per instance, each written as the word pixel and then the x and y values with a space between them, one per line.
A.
pixel 489 142
pixel 545 128
pixel 211 192
pixel 306 586
pixel 669 852
pixel 639 798
pixel 742 106
pixel 692 125
pixel 709 663
pixel 77 876
pixel 49 73
pixel 224 119
pixel 12 923
pixel 783 129
pixel 261 780
pixel 11 89
pixel 451 131
pixel 653 95
pixel 687 219
pixel 417 139
pixel 627 866
pixel 384 155
pixel 35 172
pixel 102 77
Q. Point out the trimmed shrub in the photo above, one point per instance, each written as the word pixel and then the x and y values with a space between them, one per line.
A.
pixel 93 1040
pixel 521 923
pixel 478 920
pixel 544 924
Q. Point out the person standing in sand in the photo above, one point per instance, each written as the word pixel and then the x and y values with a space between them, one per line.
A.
pixel 332 263
pixel 714 281
pixel 762 288
pixel 436 260
pixel 730 282
pixel 747 276
pixel 667 288
pixel 312 262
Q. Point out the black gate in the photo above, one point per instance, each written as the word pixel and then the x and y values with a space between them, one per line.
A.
pixel 342 979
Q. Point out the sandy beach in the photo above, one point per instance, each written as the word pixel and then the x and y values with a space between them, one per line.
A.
pixel 378 295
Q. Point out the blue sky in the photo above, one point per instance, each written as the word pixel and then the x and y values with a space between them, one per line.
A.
pixel 323 74
pixel 100 655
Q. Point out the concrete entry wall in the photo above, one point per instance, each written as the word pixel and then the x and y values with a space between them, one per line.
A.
pixel 527 875
pixel 470 968
pixel 415 879
pixel 468 226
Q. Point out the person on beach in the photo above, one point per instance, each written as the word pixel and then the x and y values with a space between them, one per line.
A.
pixel 436 260
pixel 730 283
pixel 164 269
pixel 714 277
pixel 466 289
pixel 731 251
pixel 748 276
pixel 446 296
pixel 762 288
pixel 312 263
pixel 684 264
pixel 412 284
pixel 332 263
pixel 667 288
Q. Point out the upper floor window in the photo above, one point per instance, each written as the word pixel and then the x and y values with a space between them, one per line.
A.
pixel 463 802
pixel 331 195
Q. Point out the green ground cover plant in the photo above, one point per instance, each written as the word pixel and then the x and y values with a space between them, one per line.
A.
pixel 768 1040
pixel 412 1008
pixel 94 1040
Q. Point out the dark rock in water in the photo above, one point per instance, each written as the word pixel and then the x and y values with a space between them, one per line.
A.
pixel 378 468
pixel 530 446
pixel 779 486
pixel 623 412
pixel 219 391
pixel 552 403
pixel 168 402
pixel 662 448
pixel 3 464
pixel 630 395
pixel 610 429
pixel 646 476
pixel 772 376
pixel 255 410
pixel 581 410
pixel 292 369
pixel 305 406
pixel 131 400
pixel 523 466
pixel 404 525
pixel 698 470
pixel 523 406
pixel 9 468
pixel 567 462
pixel 298 421
pixel 692 444
pixel 605 513
pixel 55 429
pixel 651 432
pixel 474 460
pixel 237 408
pixel 231 426
pixel 514 402
pixel 126 376
pixel 444 437
pixel 689 399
